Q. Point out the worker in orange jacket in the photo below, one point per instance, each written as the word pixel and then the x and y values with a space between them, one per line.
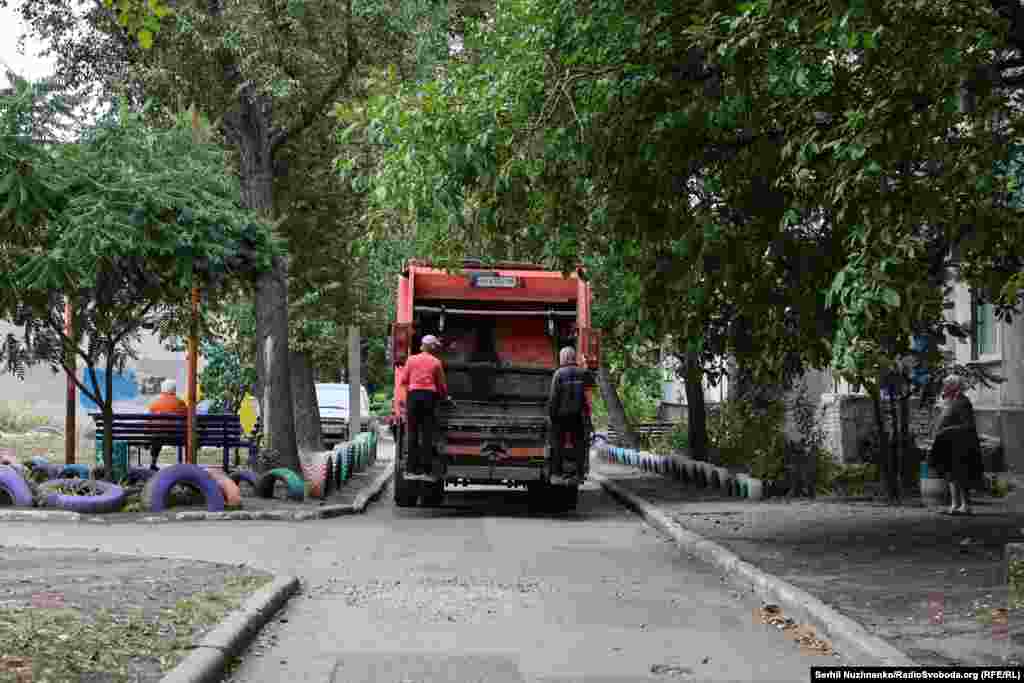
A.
pixel 426 386
pixel 167 402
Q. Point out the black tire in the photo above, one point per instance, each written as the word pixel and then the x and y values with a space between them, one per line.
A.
pixel 109 499
pixel 406 492
pixel 539 494
pixel 15 487
pixel 158 488
pixel 433 496
pixel 296 487
pixel 565 498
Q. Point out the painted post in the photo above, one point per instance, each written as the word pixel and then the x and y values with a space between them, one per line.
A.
pixel 193 345
pixel 193 358
pixel 70 429
pixel 355 403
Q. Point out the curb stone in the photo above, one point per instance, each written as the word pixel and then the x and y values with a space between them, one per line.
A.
pixel 37 515
pixel 845 633
pixel 208 660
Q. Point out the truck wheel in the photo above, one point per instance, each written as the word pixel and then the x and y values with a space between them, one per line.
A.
pixel 405 491
pixel 570 498
pixel 561 498
pixel 433 496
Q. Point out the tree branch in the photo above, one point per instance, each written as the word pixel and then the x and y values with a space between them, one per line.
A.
pixel 281 136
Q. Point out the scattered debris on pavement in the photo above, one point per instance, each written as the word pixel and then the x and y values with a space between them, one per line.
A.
pixel 803 634
pixel 670 670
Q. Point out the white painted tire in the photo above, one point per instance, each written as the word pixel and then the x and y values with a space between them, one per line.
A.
pixel 756 489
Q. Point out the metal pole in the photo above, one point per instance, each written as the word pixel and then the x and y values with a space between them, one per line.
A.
pixel 70 429
pixel 355 402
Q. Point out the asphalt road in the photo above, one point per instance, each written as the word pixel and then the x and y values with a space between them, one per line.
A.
pixel 478 590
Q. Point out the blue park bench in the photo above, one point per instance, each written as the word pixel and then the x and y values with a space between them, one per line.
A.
pixel 142 429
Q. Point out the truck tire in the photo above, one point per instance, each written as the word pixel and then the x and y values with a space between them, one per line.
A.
pixel 565 498
pixel 433 496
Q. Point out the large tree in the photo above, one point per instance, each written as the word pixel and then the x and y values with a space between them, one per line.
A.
pixel 120 225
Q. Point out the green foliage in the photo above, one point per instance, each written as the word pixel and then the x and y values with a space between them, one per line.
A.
pixel 123 224
pixel 851 479
pixel 225 379
pixel 747 435
pixel 677 440
pixel 1016 581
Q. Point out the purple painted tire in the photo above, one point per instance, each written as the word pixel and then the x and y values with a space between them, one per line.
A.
pixel 157 489
pixel 16 488
pixel 110 498
pixel 246 476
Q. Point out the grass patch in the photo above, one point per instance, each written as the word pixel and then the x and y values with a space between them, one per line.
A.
pixel 19 417
pixel 66 644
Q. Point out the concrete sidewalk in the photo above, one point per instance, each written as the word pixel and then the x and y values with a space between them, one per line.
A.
pixel 923 582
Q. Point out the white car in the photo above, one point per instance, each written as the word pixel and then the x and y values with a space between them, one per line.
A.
pixel 334 412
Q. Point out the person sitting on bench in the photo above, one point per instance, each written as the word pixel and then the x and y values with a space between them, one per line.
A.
pixel 167 403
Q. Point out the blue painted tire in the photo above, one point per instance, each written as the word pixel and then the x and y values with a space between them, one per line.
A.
pixel 111 497
pixel 239 476
pixel 15 486
pixel 74 472
pixel 157 489
pixel 37 461
pixel 296 487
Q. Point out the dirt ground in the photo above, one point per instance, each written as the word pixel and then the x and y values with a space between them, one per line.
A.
pixel 76 615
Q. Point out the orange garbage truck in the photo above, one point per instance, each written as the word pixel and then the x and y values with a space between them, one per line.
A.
pixel 500 330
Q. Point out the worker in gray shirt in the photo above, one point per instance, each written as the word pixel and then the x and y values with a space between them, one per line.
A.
pixel 569 412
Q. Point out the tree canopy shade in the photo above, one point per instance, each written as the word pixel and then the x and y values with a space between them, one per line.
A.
pixel 122 224
pixel 792 175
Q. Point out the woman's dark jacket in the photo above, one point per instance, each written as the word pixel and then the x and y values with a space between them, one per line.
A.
pixel 957 447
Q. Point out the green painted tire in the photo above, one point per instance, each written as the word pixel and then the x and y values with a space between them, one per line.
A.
pixel 345 463
pixel 296 487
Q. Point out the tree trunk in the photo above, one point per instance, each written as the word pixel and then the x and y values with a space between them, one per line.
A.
pixel 307 412
pixel 616 412
pixel 884 449
pixel 696 411
pixel 896 453
pixel 277 407
pixel 906 441
pixel 249 128
pixel 108 418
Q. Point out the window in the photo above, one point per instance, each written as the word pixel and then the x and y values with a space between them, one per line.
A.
pixel 983 323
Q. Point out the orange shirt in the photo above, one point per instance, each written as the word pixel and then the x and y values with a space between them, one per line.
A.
pixel 168 403
pixel 424 371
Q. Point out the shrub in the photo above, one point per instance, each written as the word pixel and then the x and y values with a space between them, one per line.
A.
pixel 748 436
pixel 676 440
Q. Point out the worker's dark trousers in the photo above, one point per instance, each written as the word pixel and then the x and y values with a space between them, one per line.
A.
pixel 575 427
pixel 422 421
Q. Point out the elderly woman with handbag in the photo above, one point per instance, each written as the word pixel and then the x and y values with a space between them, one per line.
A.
pixel 956 450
